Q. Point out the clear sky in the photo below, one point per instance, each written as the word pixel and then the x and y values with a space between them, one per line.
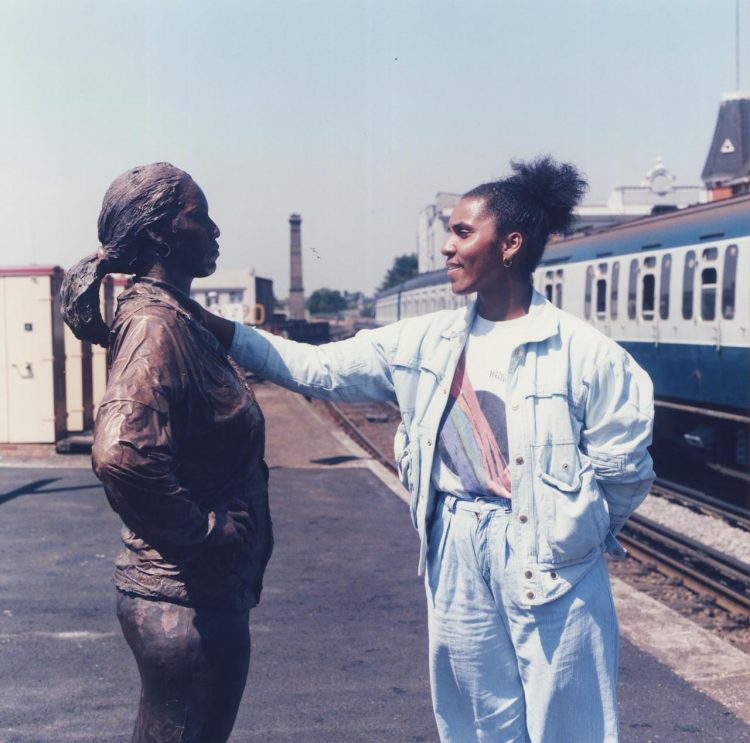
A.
pixel 353 113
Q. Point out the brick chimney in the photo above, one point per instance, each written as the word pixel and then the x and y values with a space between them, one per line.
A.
pixel 296 293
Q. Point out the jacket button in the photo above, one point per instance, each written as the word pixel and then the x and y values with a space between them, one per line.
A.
pixel 523 518
pixel 553 575
pixel 530 595
pixel 514 406
pixel 527 574
pixel 519 460
pixel 565 466
pixel 429 442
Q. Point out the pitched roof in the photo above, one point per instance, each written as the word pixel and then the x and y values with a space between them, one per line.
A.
pixel 728 158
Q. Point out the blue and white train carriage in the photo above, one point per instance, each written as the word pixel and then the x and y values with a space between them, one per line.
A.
pixel 673 289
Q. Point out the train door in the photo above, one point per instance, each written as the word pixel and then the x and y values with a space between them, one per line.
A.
pixel 700 295
pixel 614 297
pixel 552 286
pixel 707 279
pixel 4 420
pixel 647 288
pixel 596 296
pixel 601 281
pixel 33 356
pixel 665 330
pixel 73 381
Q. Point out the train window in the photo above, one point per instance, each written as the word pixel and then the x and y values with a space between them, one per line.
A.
pixel 587 294
pixel 603 268
pixel 558 294
pixel 708 294
pixel 687 285
pixel 648 296
pixel 558 287
pixel 710 254
pixel 613 293
pixel 730 280
pixel 601 298
pixel 548 291
pixel 666 271
pixel 650 262
pixel 632 288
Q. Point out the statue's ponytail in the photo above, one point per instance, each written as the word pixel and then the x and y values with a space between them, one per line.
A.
pixel 79 298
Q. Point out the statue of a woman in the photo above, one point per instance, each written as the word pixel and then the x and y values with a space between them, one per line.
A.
pixel 178 445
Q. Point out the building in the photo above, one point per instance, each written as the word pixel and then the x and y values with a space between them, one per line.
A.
pixel 237 294
pixel 432 231
pixel 727 169
pixel 657 192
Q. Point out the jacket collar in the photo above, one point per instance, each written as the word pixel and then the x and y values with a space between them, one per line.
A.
pixel 543 315
pixel 161 291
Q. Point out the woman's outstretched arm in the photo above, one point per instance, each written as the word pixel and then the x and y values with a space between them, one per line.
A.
pixel 353 369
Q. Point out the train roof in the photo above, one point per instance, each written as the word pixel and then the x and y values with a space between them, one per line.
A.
pixel 719 220
pixel 430 278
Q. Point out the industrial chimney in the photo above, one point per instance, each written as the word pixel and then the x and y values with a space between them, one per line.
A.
pixel 296 293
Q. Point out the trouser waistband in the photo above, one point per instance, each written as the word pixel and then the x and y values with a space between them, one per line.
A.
pixel 453 503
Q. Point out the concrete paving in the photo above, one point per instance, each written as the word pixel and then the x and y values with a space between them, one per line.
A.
pixel 339 640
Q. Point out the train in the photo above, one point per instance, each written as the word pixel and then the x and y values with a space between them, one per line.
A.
pixel 674 290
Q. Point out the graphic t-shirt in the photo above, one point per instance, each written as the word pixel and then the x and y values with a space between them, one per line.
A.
pixel 471 460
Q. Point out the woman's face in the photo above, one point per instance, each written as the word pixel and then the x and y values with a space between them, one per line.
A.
pixel 472 251
pixel 193 242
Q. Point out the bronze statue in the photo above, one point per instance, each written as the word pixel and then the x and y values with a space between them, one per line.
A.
pixel 178 445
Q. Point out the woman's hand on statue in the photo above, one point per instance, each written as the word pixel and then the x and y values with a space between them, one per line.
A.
pixel 233 525
pixel 222 328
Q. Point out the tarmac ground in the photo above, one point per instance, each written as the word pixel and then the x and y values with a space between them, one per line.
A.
pixel 339 639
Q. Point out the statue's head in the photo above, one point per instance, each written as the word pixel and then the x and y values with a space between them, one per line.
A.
pixel 150 214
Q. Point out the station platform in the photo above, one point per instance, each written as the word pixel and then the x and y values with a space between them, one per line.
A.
pixel 339 639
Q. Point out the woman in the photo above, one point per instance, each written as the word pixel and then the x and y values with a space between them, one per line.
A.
pixel 524 446
pixel 178 445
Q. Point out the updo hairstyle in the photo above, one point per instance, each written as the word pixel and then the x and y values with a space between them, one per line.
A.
pixel 135 202
pixel 537 201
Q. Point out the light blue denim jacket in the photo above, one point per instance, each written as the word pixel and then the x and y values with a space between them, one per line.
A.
pixel 580 414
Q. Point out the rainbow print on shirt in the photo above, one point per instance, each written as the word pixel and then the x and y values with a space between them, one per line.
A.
pixel 473 440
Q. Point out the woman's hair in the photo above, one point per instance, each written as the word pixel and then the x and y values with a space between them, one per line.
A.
pixel 537 201
pixel 135 202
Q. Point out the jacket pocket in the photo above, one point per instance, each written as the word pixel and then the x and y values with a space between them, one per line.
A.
pixel 572 514
pixel 554 416
pixel 407 462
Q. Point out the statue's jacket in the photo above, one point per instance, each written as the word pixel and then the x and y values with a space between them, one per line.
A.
pixel 178 436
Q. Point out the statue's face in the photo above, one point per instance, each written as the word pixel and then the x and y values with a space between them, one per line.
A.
pixel 194 241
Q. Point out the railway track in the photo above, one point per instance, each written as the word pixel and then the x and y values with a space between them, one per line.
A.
pixel 714 576
pixel 717 577
pixel 699 501
pixel 345 420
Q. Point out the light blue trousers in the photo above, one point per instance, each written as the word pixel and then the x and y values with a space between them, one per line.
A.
pixel 502 672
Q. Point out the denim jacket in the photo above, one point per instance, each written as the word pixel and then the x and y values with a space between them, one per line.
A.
pixel 580 414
